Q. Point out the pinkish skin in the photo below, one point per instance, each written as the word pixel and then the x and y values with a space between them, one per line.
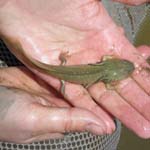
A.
pixel 144 50
pixel 115 104
pixel 133 2
pixel 87 34
pixel 28 82
pixel 35 113
pixel 121 107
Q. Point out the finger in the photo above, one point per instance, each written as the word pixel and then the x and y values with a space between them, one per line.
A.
pixel 122 110
pixel 61 120
pixel 142 74
pixel 144 50
pixel 136 97
pixel 25 80
pixel 132 2
pixel 79 97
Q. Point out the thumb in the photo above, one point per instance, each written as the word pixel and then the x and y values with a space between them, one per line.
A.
pixel 51 122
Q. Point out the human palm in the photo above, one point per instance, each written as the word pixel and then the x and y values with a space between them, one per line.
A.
pixel 83 32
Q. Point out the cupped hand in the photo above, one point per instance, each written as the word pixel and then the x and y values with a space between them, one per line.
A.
pixel 83 32
pixel 32 111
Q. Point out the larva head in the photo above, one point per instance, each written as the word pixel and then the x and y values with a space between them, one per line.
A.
pixel 117 69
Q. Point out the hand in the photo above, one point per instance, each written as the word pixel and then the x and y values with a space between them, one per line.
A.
pixel 85 32
pixel 32 111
